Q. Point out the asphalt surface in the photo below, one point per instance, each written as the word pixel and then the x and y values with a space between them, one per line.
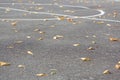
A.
pixel 31 46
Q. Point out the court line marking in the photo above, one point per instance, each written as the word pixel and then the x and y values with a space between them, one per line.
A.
pixel 91 17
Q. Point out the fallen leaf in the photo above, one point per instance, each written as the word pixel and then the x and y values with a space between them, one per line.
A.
pixel 101 22
pixel 57 37
pixel 28 37
pixel 40 38
pixel 53 71
pixel 108 24
pixel 21 66
pixel 18 42
pixel 4 63
pixel 91 48
pixel 10 47
pixel 60 17
pixel 41 75
pixel 85 59
pixel 114 39
pixel 117 66
pixel 14 23
pixel 76 44
pixel 41 32
pixel 36 30
pixel 30 52
pixel 69 19
pixel 106 72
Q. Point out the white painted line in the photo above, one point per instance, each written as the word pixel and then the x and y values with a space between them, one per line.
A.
pixel 91 17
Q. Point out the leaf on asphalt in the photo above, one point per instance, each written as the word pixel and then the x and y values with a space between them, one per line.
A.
pixel 21 66
pixel 85 59
pixel 10 47
pixel 76 44
pixel 18 42
pixel 57 37
pixel 106 72
pixel 14 23
pixel 117 66
pixel 41 75
pixel 4 63
pixel 30 52
pixel 93 42
pixel 114 39
pixel 53 71
pixel 109 25
pixel 41 32
pixel 69 19
pixel 61 18
pixel 28 37
pixel 36 30
pixel 100 22
pixel 40 38
pixel 91 48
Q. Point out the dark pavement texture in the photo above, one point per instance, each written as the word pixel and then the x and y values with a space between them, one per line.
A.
pixel 60 54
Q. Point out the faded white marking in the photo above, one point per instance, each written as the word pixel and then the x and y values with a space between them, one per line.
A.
pixel 90 17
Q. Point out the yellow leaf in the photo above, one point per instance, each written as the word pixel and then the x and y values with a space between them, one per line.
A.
pixel 85 59
pixel 106 72
pixel 4 64
pixel 41 75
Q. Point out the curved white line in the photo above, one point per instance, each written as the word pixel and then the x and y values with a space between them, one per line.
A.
pixel 91 17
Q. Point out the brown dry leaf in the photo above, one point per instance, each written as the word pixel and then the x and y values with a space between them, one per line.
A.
pixel 41 75
pixel 30 52
pixel 91 48
pixel 114 39
pixel 4 63
pixel 14 23
pixel 106 72
pixel 61 18
pixel 85 59
pixel 70 20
